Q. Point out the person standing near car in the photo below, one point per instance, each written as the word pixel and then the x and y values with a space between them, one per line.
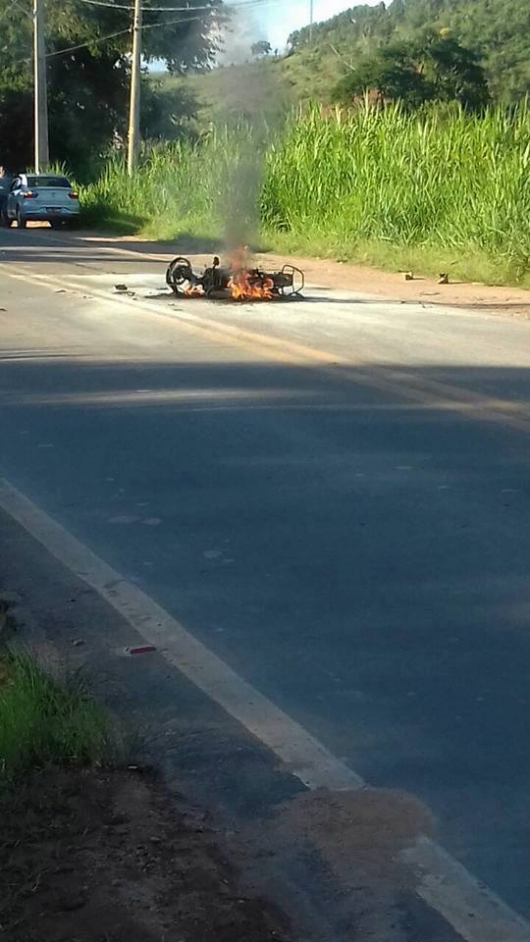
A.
pixel 5 185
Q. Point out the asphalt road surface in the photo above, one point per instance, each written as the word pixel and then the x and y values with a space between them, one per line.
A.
pixel 332 495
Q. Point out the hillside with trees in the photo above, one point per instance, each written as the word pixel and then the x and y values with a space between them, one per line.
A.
pixel 436 68
pixel 470 51
pixel 497 33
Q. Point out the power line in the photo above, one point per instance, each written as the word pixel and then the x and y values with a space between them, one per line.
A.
pixel 92 42
pixel 122 32
pixel 123 6
pixel 103 39
pixel 242 5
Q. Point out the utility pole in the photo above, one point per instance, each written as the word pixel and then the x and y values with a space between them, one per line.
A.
pixel 136 71
pixel 311 19
pixel 42 150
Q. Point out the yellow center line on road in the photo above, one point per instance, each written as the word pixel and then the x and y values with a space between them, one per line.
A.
pixel 407 385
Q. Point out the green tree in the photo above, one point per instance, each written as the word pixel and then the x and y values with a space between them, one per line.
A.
pixel 453 71
pixel 16 114
pixel 390 74
pixel 498 31
pixel 261 48
pixel 437 68
pixel 168 111
pixel 88 71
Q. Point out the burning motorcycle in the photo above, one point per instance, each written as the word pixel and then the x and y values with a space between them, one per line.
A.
pixel 235 281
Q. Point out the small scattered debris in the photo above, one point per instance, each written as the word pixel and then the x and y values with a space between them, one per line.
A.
pixel 77 642
pixel 121 288
pixel 141 649
pixel 409 276
pixel 443 279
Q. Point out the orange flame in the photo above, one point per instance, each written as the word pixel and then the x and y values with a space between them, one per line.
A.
pixel 244 285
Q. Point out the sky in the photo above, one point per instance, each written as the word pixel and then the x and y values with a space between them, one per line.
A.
pixel 282 17
pixel 274 20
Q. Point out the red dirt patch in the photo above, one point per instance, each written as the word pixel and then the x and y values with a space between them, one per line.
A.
pixel 393 286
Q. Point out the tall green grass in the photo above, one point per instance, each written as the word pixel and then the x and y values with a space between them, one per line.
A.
pixel 445 184
pixel 181 187
pixel 44 723
pixel 454 182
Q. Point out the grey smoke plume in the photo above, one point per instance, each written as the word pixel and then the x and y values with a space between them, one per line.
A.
pixel 242 222
pixel 240 32
pixel 245 94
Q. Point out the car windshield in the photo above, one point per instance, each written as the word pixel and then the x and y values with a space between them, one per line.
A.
pixel 48 182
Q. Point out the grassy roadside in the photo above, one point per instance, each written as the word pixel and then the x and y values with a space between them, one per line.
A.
pixel 430 192
pixel 92 852
pixel 468 265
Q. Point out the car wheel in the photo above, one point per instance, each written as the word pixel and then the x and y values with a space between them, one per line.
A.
pixel 21 220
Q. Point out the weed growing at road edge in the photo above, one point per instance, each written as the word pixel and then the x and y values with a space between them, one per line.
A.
pixel 45 723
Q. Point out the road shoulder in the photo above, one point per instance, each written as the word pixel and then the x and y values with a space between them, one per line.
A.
pixel 206 757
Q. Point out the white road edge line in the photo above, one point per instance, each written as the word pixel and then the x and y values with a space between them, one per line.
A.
pixel 303 755
pixel 475 912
